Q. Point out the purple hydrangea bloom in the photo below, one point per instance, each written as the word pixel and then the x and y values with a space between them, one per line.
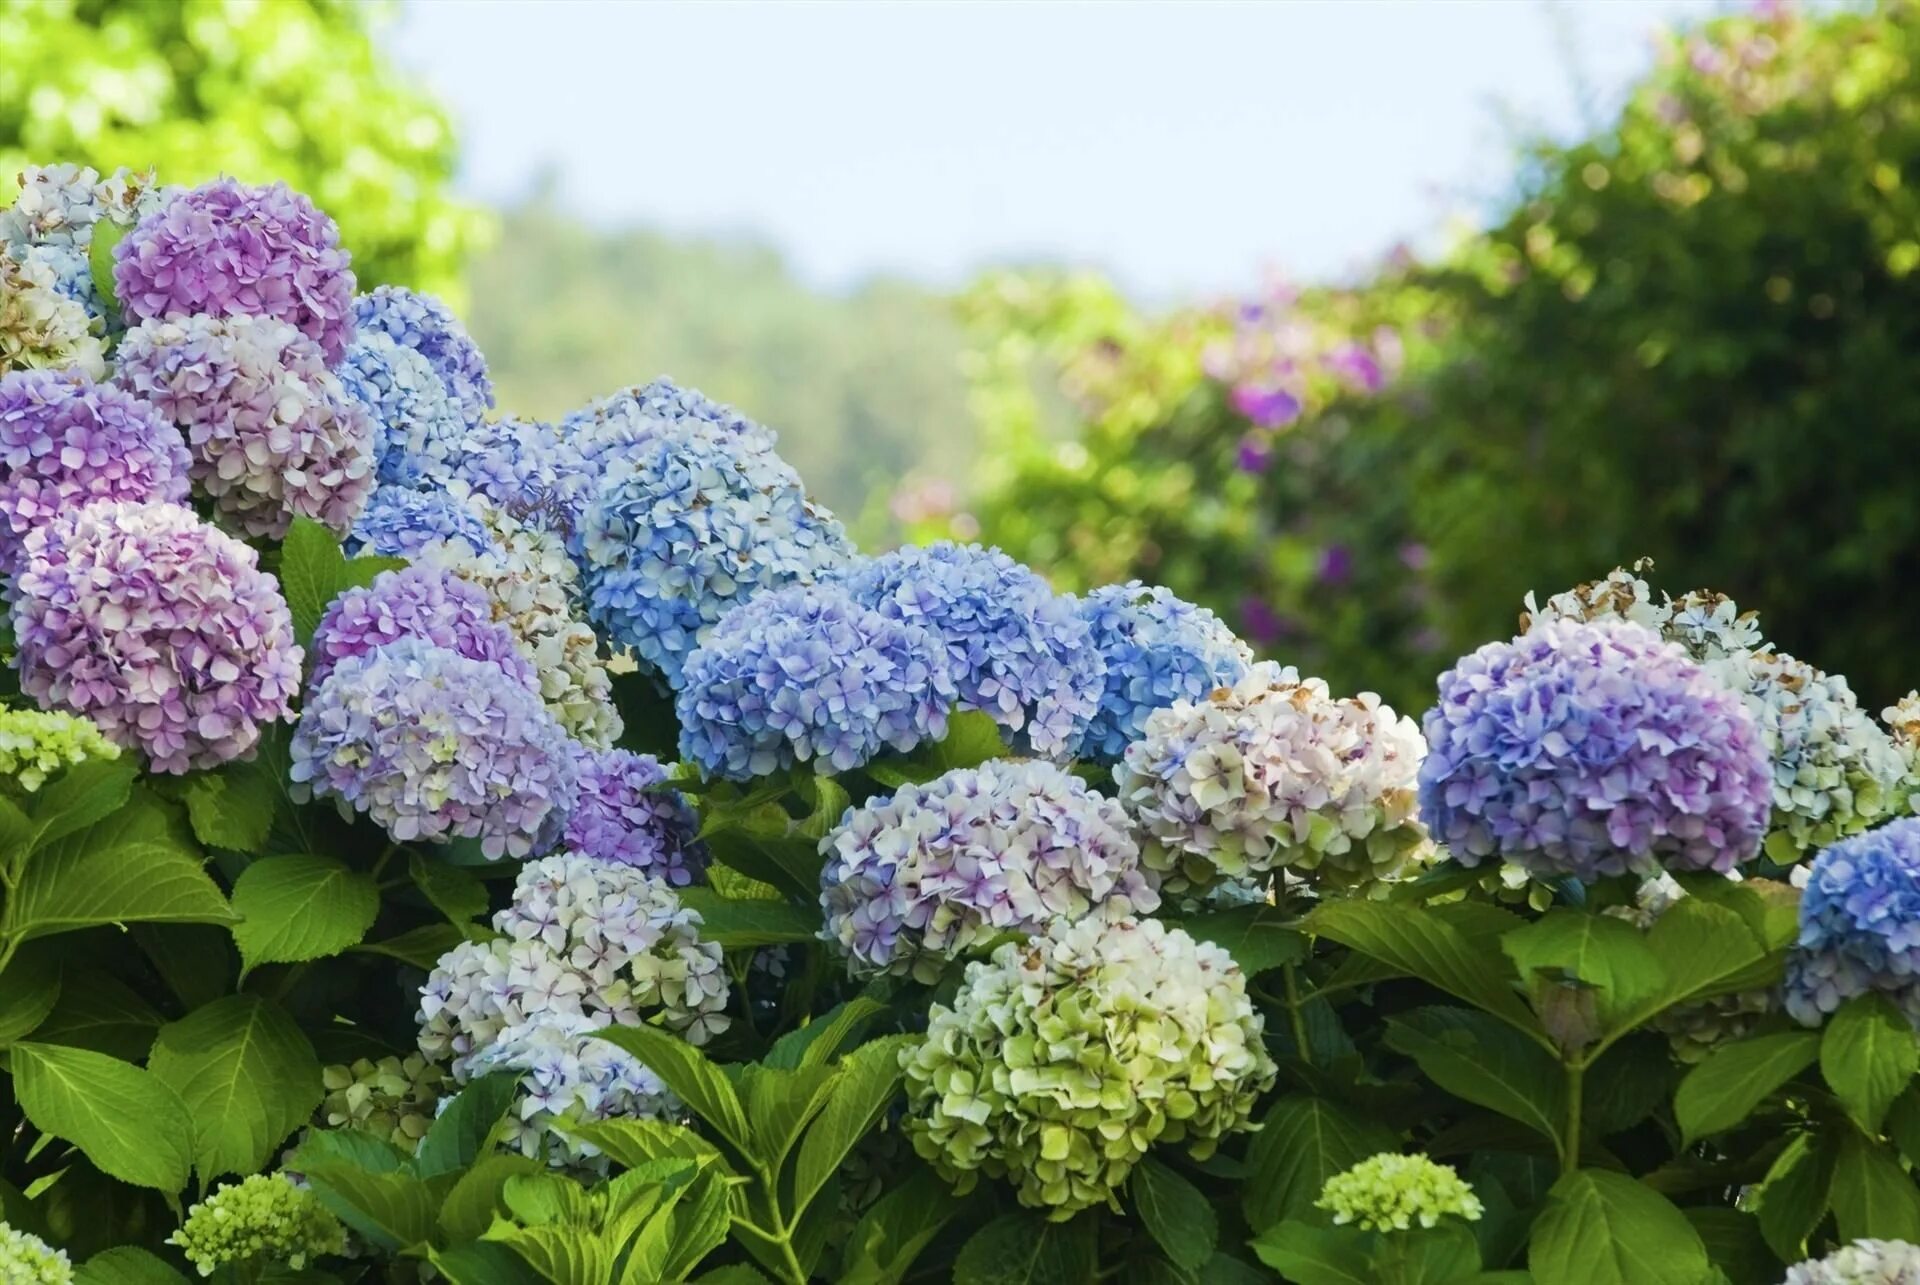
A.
pixel 417 424
pixel 1015 648
pixel 434 746
pixel 272 433
pixel 1592 749
pixel 1158 651
pixel 65 440
pixel 1859 924
pixel 633 415
pixel 914 880
pixel 225 249
pixel 806 674
pixel 527 468
pixel 424 324
pixel 159 628
pixel 684 527
pixel 621 813
pixel 428 603
pixel 398 523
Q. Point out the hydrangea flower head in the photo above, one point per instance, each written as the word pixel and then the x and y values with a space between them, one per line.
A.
pixel 525 468
pixel 1016 649
pixel 51 224
pixel 272 433
pixel 1158 651
pixel 398 523
pixel 25 1259
pixel 160 629
pixel 1709 625
pixel 1392 1192
pixel 427 603
pixel 225 249
pixel 1062 1060
pixel 1864 1262
pixel 66 441
pixel 1903 725
pixel 263 1219
pixel 585 944
pixel 1274 773
pixel 35 744
pixel 1859 924
pixel 604 428
pixel 394 1098
pixel 683 528
pixel 913 880
pixel 424 324
pixel 434 746
pixel 417 424
pixel 1589 750
pixel 42 326
pixel 806 674
pixel 622 813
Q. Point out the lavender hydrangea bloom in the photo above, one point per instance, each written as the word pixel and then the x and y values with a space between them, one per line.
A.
pixel 803 674
pixel 1589 750
pixel 272 433
pixel 399 523
pixel 914 880
pixel 159 628
pixel 424 324
pixel 622 814
pixel 65 441
pixel 434 746
pixel 526 468
pixel 1016 649
pixel 418 426
pixel 417 602
pixel 1158 651
pixel 225 249
pixel 1859 924
pixel 685 527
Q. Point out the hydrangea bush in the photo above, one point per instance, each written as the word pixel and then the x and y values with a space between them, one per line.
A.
pixel 441 846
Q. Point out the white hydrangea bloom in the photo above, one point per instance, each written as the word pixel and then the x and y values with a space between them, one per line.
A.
pixel 1864 1262
pixel 40 326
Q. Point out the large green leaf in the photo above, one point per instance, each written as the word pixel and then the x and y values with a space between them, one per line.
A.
pixel 738 924
pixel 475 1200
pixel 1872 1195
pixel 299 908
pixel 452 890
pixel 248 1077
pixel 902 1223
pixel 1608 955
pixel 633 1142
pixel 138 864
pixel 820 1040
pixel 98 1011
pixel 1704 950
pixel 422 946
pixel 868 1082
pixel 314 571
pixel 1479 1060
pixel 1421 943
pixel 694 1080
pixel 233 807
pixel 1302 1142
pixel 1310 1255
pixel 1258 937
pixel 1868 1055
pixel 972 739
pixel 394 1210
pixel 1175 1214
pixel 1793 1197
pixel 780 1102
pixel 83 795
pixel 459 1133
pixel 483 1262
pixel 127 1121
pixel 29 990
pixel 1025 1249
pixel 126 1265
pixel 1735 1078
pixel 1602 1228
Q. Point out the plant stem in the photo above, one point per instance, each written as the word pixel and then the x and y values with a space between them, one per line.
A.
pixel 1576 1094
pixel 1299 1018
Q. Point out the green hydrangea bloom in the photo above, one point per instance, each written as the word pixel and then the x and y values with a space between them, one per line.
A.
pixel 393 1098
pixel 1392 1192
pixel 34 745
pixel 28 1260
pixel 264 1217
pixel 1065 1057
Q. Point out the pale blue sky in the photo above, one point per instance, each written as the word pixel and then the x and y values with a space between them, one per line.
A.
pixel 1181 146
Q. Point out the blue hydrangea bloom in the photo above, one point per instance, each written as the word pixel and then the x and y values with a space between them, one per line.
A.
pixel 1158 650
pixel 417 423
pixel 806 674
pixel 1859 924
pixel 623 813
pixel 1592 749
pixel 682 528
pixel 1016 649
pixel 424 324
pixel 398 523
pixel 527 468
pixel 637 414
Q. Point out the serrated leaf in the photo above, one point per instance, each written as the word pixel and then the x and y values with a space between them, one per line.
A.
pixel 736 925
pixel 247 1075
pixel 1723 1090
pixel 475 1200
pixel 299 908
pixel 1872 1196
pixel 1704 950
pixel 1420 942
pixel 1603 1228
pixel 1025 1249
pixel 1606 954
pixel 452 890
pixel 232 808
pixel 1734 1244
pixel 1481 1061
pixel 1792 1199
pixel 561 1255
pixel 869 1080
pixel 483 1262
pixel 100 1012
pixel 459 1133
pixel 1302 1142
pixel 314 571
pixel 693 1079
pixel 820 1040
pixel 107 236
pixel 1174 1213
pixel 1312 1255
pixel 780 1102
pixel 901 1224
pixel 128 1123
pixel 632 1142
pixel 82 795
pixel 126 1265
pixel 1868 1055
pixel 1258 937
pixel 394 1210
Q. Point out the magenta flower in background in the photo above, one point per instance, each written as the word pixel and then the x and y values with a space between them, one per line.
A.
pixel 1254 453
pixel 1261 623
pixel 1336 565
pixel 1267 406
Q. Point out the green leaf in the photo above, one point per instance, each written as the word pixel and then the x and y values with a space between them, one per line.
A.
pixel 1735 1078
pixel 764 843
pixel 1868 1054
pixel 1025 1249
pixel 459 1133
pixel 780 1103
pixel 29 990
pixel 821 1039
pixel 232 808
pixel 1175 1214
pixel 1258 937
pixel 1872 1196
pixel 475 1199
pixel 1598 951
pixel 422 947
pixel 394 1209
pixel 452 890
pixel 248 1078
pixel 1903 1124
pixel 1603 1228
pixel 1481 1061
pixel 1309 1255
pixel 83 795
pixel 869 1080
pixel 129 1123
pixel 694 1080
pixel 197 961
pixel 1704 950
pixel 126 1265
pixel 107 234
pixel 736 925
pixel 100 1012
pixel 897 1229
pixel 298 908
pixel 1421 943
pixel 483 1263
pixel 1429 1255
pixel 697 1227
pixel 1734 1243
pixel 632 1142
pixel 562 1255
pixel 972 739
pixel 1302 1142
pixel 314 571
pixel 1793 1197
pixel 137 865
